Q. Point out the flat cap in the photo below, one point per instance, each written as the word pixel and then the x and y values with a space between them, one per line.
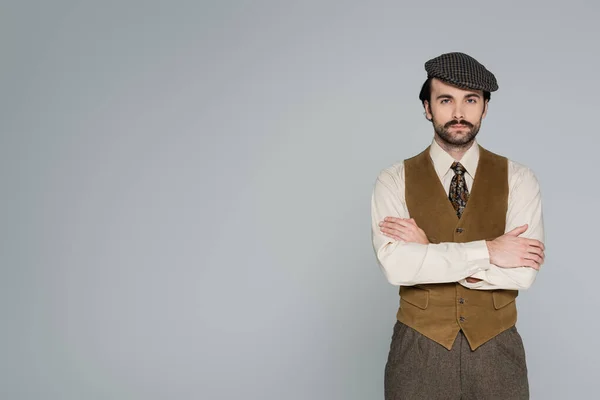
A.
pixel 461 70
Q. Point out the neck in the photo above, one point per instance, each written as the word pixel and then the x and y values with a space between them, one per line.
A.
pixel 456 151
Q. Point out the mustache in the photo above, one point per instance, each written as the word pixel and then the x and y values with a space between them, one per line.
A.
pixel 461 122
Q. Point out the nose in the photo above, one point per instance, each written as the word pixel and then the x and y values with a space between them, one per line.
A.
pixel 458 113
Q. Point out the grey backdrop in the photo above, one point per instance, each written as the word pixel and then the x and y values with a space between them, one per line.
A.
pixel 186 189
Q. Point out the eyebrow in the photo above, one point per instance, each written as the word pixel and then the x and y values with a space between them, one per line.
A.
pixel 447 96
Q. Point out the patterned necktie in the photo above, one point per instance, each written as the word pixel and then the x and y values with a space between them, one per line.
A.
pixel 459 194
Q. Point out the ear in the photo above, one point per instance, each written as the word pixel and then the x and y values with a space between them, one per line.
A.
pixel 485 109
pixel 427 107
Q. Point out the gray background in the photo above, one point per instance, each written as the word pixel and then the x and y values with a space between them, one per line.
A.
pixel 186 189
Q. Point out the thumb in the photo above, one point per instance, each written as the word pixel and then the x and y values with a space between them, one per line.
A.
pixel 518 230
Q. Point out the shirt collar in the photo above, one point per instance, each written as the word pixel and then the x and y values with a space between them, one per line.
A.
pixel 442 161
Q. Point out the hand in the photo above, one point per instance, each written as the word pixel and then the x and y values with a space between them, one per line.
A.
pixel 403 229
pixel 511 251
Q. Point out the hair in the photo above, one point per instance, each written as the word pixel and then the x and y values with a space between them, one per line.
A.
pixel 425 93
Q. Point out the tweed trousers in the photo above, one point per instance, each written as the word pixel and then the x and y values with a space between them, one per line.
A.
pixel 419 368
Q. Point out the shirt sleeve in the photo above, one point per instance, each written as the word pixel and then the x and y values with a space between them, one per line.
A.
pixel 524 207
pixel 409 264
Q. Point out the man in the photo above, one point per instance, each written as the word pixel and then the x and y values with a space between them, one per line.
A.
pixel 460 230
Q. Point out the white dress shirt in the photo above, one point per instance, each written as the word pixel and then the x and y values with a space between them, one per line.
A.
pixel 412 263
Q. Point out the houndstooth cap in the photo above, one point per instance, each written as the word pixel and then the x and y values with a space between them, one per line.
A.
pixel 461 70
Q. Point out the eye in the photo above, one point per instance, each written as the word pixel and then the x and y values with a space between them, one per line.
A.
pixel 445 101
pixel 472 101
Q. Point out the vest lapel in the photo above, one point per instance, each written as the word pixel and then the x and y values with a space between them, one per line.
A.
pixel 427 199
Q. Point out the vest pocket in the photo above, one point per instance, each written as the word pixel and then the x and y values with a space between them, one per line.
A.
pixel 503 297
pixel 415 296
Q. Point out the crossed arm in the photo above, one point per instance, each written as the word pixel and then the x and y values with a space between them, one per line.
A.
pixel 509 262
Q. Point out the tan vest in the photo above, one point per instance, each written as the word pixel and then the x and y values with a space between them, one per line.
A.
pixel 440 311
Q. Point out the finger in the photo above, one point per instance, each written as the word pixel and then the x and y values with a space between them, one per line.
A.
pixel 535 257
pixel 540 244
pixel 531 264
pixel 535 243
pixel 535 250
pixel 388 231
pixel 394 229
pixel 540 254
pixel 398 234
pixel 392 219
pixel 399 226
pixel 391 226
pixel 395 237
pixel 405 223
pixel 396 220
pixel 518 230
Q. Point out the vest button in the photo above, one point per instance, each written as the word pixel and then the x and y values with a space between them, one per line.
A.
pixel 462 319
pixel 461 300
pixel 459 230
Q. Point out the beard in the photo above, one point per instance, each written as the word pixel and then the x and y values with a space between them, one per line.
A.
pixel 453 139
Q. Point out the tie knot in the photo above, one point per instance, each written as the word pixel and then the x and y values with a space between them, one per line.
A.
pixel 458 168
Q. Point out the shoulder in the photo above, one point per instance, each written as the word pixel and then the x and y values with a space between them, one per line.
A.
pixel 516 170
pixel 521 175
pixel 392 175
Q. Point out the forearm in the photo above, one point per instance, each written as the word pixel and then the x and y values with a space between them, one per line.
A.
pixel 412 263
pixel 406 263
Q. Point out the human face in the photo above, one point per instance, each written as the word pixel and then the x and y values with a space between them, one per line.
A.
pixel 456 113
